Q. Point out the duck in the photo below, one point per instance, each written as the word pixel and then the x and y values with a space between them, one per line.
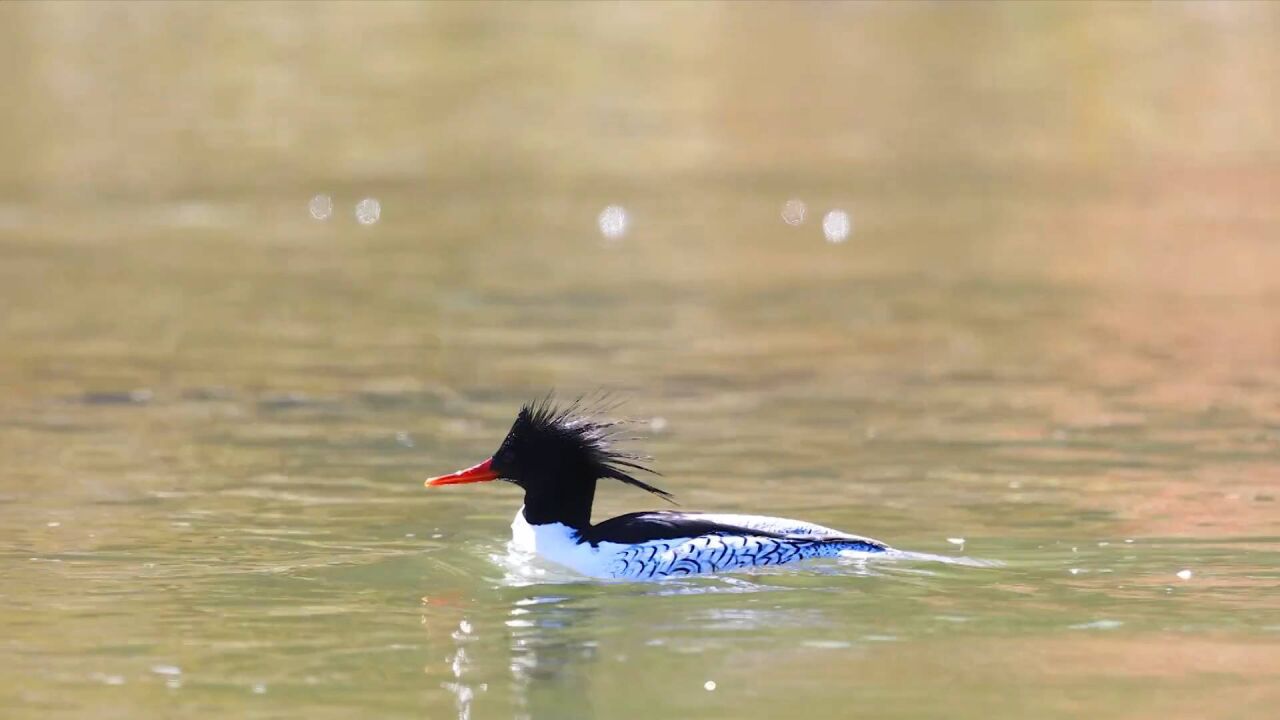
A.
pixel 558 453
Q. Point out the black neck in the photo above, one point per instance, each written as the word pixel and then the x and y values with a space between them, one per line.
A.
pixel 572 508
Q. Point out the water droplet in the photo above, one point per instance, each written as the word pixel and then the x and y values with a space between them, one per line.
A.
pixel 321 207
pixel 1184 574
pixel 613 222
pixel 1074 571
pixel 793 212
pixel 709 685
pixel 368 211
pixel 836 226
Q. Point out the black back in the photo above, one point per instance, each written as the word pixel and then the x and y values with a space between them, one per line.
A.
pixel 669 525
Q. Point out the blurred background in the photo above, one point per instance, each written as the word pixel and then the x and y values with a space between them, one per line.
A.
pixel 999 280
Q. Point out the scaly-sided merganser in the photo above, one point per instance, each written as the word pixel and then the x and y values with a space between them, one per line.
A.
pixel 558 454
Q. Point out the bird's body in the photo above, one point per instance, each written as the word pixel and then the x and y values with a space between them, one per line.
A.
pixel 557 455
pixel 654 545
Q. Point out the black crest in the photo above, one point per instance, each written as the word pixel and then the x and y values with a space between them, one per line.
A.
pixel 575 432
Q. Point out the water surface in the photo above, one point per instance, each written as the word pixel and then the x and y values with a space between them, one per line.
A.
pixel 1051 333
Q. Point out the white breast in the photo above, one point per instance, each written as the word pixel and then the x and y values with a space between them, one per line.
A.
pixel 559 544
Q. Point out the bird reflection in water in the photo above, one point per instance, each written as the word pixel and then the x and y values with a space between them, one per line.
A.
pixel 551 652
pixel 549 648
pixel 446 614
pixel 464 693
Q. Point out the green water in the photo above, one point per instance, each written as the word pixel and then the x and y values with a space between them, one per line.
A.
pixel 1052 333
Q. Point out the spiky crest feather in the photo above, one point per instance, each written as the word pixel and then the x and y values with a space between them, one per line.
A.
pixel 579 423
